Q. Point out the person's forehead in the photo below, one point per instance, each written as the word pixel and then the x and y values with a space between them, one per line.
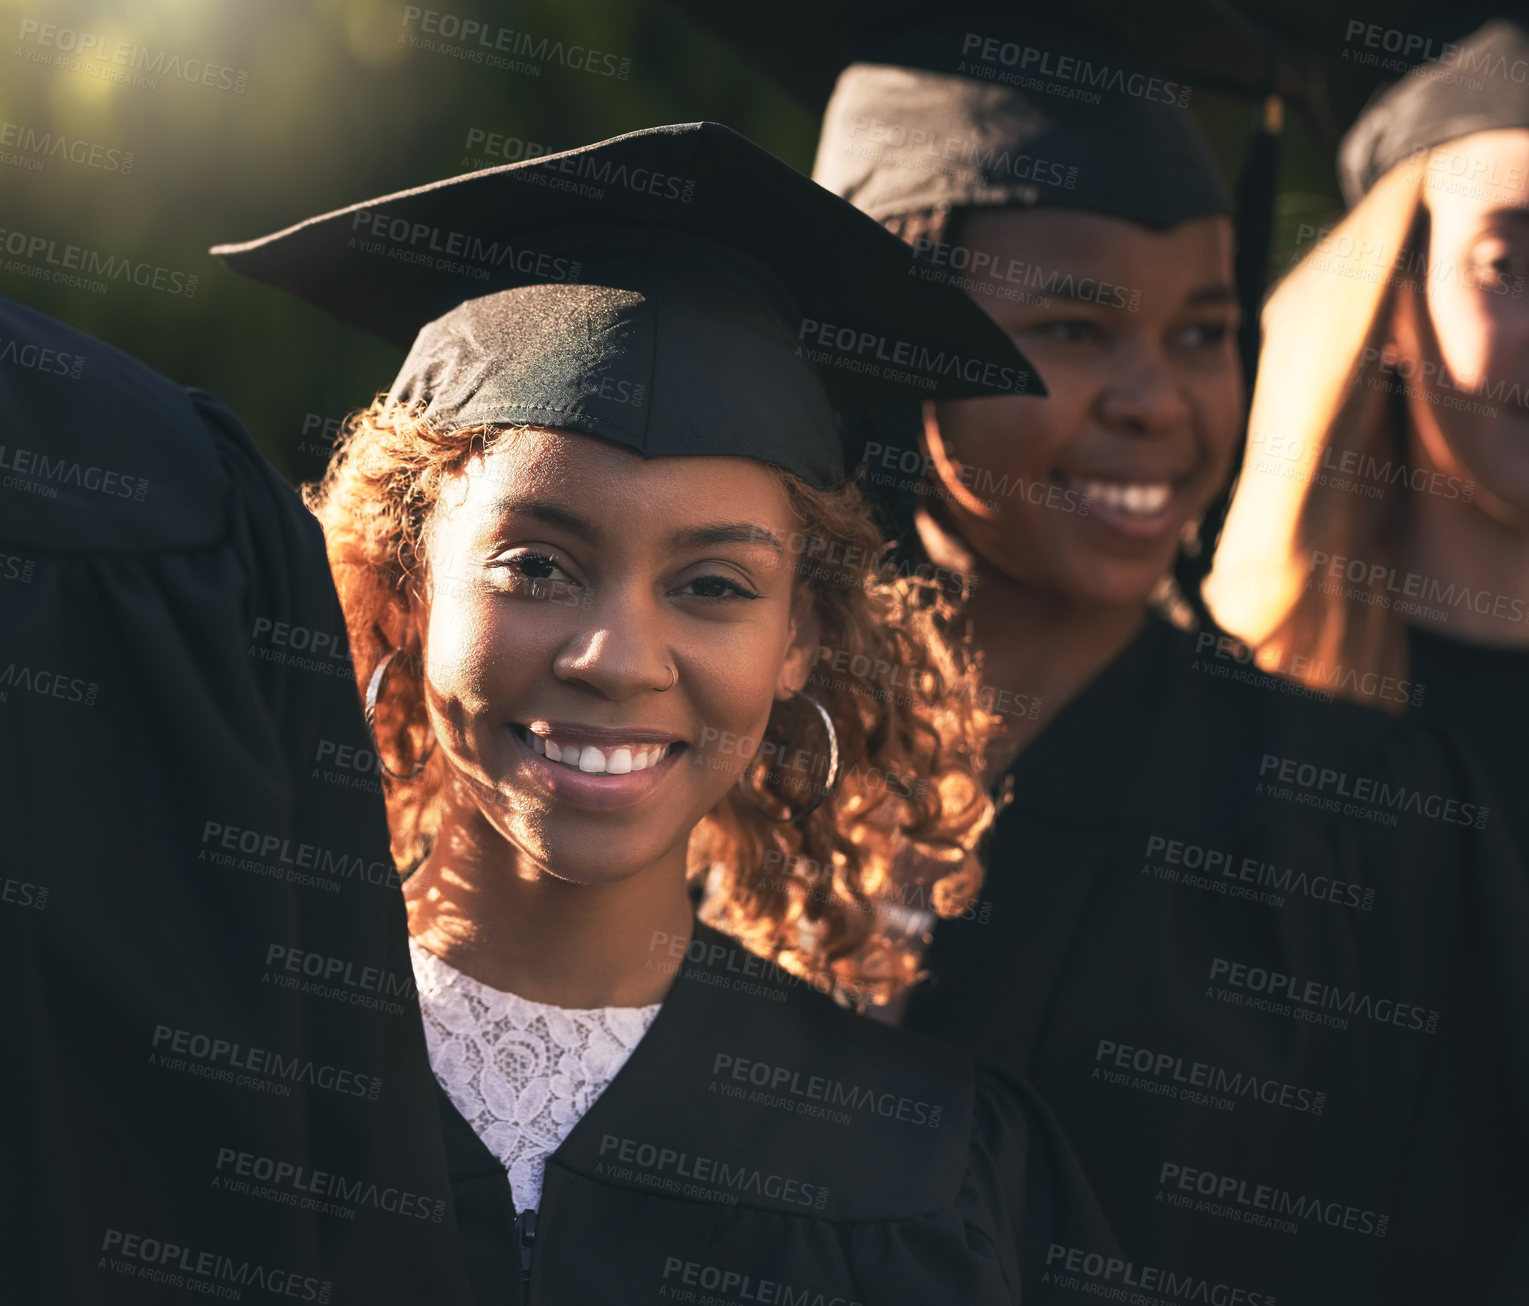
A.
pixel 1483 171
pixel 550 465
pixel 1065 242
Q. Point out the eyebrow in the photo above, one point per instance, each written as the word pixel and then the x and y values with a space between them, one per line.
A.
pixel 692 537
pixel 695 537
pixel 1218 294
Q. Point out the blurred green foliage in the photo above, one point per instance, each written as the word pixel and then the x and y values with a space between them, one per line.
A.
pixel 337 106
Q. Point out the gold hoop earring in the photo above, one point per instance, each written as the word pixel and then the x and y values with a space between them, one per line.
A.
pixel 373 692
pixel 828 784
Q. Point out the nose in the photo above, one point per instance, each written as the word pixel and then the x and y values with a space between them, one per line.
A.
pixel 620 651
pixel 1144 395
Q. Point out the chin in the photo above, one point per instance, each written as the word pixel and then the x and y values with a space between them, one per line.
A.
pixel 1111 585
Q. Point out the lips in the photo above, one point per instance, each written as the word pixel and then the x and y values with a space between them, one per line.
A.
pixel 611 756
pixel 1141 499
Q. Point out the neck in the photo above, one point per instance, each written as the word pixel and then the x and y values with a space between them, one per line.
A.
pixel 1040 646
pixel 484 907
pixel 1455 543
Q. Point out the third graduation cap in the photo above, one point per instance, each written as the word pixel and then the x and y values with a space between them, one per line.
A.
pixel 678 291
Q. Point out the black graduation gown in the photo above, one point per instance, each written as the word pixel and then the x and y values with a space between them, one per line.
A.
pixel 1286 1036
pixel 762 1145
pixel 215 1070
pixel 1480 695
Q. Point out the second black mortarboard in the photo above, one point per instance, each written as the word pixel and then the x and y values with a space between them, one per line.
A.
pixel 678 291
pixel 952 118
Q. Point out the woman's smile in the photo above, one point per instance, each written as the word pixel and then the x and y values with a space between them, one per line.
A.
pixel 595 767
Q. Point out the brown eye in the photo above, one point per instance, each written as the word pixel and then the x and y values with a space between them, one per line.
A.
pixel 715 587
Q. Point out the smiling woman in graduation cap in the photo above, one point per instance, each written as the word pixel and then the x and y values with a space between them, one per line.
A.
pixel 1255 950
pixel 591 546
pixel 1380 534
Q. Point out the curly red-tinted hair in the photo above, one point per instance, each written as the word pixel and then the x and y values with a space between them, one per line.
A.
pixel 817 894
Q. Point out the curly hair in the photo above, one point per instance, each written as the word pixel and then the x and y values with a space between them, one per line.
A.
pixel 816 895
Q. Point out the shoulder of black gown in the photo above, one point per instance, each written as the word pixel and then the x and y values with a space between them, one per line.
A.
pixel 102 454
pixel 204 947
pixel 760 1123
pixel 1225 735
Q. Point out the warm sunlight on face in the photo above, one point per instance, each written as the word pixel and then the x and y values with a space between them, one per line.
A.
pixel 1468 383
pixel 1137 347
pixel 566 576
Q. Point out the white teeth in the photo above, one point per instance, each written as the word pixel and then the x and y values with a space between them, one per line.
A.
pixel 1137 499
pixel 596 761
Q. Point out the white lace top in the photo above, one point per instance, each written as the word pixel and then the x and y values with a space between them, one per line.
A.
pixel 521 1073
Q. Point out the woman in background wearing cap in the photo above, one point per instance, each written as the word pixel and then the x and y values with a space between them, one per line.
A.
pixel 1265 1005
pixel 587 516
pixel 1378 544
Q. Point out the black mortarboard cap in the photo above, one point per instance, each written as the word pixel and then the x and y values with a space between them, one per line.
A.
pixel 1480 85
pixel 951 118
pixel 678 291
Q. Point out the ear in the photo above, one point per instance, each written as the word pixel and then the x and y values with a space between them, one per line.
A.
pixel 805 634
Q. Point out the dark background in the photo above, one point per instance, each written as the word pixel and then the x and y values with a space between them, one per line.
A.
pixel 336 109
